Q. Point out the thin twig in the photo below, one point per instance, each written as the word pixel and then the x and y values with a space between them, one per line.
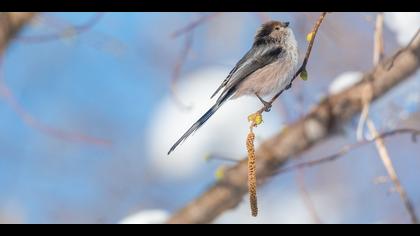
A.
pixel 364 115
pixel 7 95
pixel 194 24
pixel 378 47
pixel 333 157
pixel 300 180
pixel 183 56
pixel 392 173
pixel 68 31
pixel 221 158
pixel 8 22
pixel 378 53
pixel 11 24
pixel 176 74
pixel 362 121
pixel 347 148
pixel 380 144
pixel 391 63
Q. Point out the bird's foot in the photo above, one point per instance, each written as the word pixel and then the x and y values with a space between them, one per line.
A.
pixel 267 105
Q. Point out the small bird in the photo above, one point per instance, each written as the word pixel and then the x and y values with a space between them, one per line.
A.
pixel 266 69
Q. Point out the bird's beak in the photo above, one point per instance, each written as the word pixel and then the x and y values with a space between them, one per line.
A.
pixel 286 24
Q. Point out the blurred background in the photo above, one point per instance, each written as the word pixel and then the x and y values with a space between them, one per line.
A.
pixel 90 103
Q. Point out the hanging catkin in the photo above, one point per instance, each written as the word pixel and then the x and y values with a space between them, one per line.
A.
pixel 252 177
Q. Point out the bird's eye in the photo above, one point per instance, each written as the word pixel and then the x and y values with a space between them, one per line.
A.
pixel 277 28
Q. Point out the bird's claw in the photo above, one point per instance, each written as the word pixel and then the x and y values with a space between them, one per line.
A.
pixel 267 106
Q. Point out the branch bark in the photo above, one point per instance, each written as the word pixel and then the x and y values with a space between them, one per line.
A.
pixel 10 24
pixel 316 126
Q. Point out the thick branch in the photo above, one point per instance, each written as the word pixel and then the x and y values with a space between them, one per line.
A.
pixel 315 127
pixel 10 24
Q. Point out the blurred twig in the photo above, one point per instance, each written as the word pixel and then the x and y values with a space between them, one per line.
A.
pixel 10 25
pixel 194 24
pixel 392 173
pixel 8 97
pixel 348 148
pixel 220 158
pixel 332 157
pixel 378 53
pixel 64 30
pixel 380 145
pixel 391 62
pixel 300 180
pixel 189 30
pixel 378 47
pixel 69 31
pixel 176 73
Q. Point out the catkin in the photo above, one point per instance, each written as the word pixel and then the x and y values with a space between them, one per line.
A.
pixel 252 177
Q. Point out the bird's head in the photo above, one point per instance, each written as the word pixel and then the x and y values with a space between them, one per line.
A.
pixel 273 31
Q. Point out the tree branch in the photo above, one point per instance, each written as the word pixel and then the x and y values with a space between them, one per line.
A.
pixel 71 30
pixel 318 125
pixel 347 148
pixel 392 173
pixel 10 24
pixel 194 24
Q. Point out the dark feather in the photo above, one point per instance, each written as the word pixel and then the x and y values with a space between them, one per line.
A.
pixel 262 40
pixel 238 64
pixel 199 123
pixel 257 57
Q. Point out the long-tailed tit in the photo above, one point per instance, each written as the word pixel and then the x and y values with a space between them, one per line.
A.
pixel 266 69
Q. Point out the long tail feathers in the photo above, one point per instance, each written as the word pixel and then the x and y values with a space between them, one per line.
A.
pixel 223 98
pixel 196 125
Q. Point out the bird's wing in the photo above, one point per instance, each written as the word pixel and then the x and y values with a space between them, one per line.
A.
pixel 238 65
pixel 256 58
